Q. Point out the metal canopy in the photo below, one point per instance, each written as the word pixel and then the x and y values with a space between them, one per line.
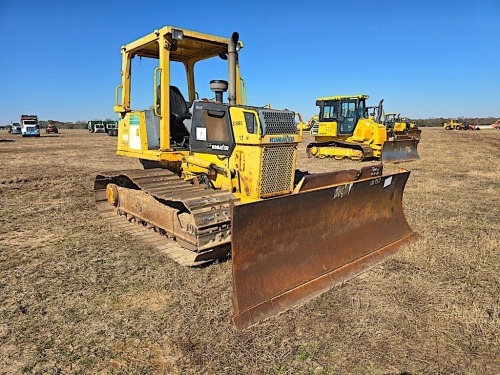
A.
pixel 193 46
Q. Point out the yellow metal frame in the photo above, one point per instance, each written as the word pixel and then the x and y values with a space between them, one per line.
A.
pixel 241 172
pixel 340 97
pixel 193 47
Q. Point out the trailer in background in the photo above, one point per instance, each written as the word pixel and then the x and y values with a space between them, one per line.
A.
pixel 111 127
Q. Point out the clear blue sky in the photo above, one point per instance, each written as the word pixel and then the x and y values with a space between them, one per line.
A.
pixel 61 59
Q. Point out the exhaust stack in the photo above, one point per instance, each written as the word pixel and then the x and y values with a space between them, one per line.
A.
pixel 232 55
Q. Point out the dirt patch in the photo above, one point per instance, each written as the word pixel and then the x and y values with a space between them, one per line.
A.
pixel 149 301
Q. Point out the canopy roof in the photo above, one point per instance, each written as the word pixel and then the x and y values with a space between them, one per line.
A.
pixel 193 45
pixel 340 97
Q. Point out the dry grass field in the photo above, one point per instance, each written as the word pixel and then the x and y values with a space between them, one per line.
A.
pixel 78 296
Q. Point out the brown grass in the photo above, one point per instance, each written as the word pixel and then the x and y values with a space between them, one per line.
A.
pixel 77 296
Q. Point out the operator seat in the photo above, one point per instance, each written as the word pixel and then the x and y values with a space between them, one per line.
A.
pixel 178 113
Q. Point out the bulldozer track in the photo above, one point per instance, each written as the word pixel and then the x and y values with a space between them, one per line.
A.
pixel 367 150
pixel 209 210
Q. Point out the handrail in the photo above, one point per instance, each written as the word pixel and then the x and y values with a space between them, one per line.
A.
pixel 116 93
pixel 243 88
pixel 156 105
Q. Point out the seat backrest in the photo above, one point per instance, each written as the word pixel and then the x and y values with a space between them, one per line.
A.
pixel 178 106
pixel 178 113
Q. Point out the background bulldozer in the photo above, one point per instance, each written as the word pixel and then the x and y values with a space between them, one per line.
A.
pixel 219 178
pixel 453 125
pixel 346 130
pixel 401 127
pixel 301 125
pixel 306 126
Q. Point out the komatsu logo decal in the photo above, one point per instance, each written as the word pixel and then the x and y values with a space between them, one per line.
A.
pixel 220 147
pixel 282 139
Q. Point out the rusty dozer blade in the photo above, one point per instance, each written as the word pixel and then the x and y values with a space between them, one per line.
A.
pixel 287 250
pixel 409 134
pixel 415 133
pixel 400 150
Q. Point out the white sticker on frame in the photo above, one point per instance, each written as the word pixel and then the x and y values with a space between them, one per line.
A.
pixel 201 134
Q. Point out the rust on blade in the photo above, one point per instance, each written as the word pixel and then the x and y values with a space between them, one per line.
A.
pixel 415 133
pixel 400 150
pixel 317 180
pixel 287 250
pixel 321 180
pixel 370 171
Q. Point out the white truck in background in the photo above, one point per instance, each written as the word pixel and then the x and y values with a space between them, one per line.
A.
pixel 29 126
pixel 96 126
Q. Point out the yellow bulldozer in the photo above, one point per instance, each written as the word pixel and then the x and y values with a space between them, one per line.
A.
pixel 306 126
pixel 453 125
pixel 219 178
pixel 346 130
pixel 401 127
pixel 301 125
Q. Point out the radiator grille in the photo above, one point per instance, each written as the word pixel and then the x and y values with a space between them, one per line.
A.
pixel 277 170
pixel 277 122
